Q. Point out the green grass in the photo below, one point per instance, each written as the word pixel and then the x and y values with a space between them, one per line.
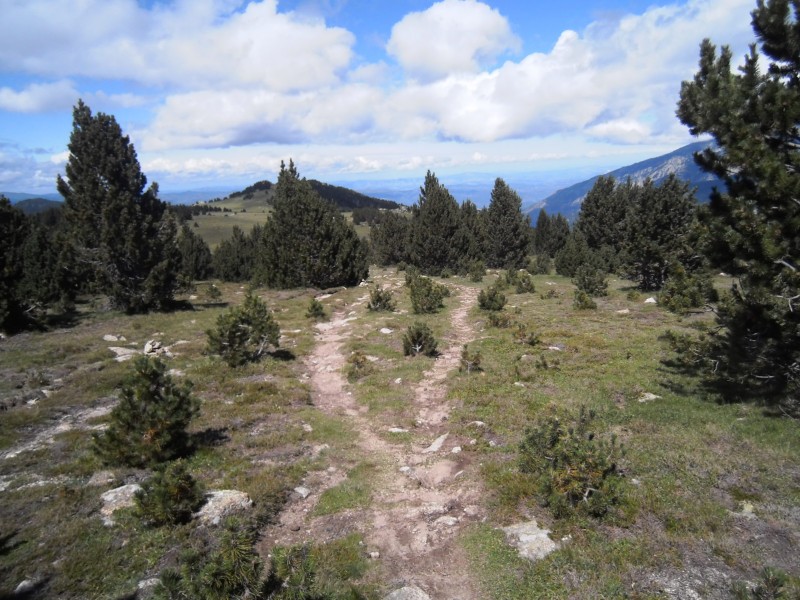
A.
pixel 353 492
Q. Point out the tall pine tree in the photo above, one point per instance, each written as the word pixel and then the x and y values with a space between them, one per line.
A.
pixel 120 228
pixel 507 229
pixel 753 227
pixel 434 225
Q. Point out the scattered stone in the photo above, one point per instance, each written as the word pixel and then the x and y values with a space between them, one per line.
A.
pixel 399 380
pixel 648 397
pixel 176 373
pixel 221 503
pixel 436 445
pixel 323 296
pixel 472 511
pixel 25 587
pixel 123 354
pixel 113 500
pixel 398 430
pixel 386 330
pixel 473 441
pixel 374 555
pixel 409 592
pixel 307 428
pixel 519 384
pixel 101 478
pixel 556 347
pixel 530 540
pixel 153 347
pixel 745 510
pixel 477 423
pixel 456 449
pixel 114 338
pixel 405 469
pixel 146 584
pixel 651 300
pixel 624 311
pixel 447 521
pixel 635 481
pixel 303 492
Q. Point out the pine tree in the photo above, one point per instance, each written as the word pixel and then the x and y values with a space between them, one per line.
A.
pixel 307 241
pixel 574 254
pixel 541 235
pixel 234 259
pixel 470 239
pixel 434 225
pixel 119 228
pixel 558 235
pixel 388 238
pixel 602 220
pixel 506 229
pixel 753 227
pixel 195 254
pixel 13 233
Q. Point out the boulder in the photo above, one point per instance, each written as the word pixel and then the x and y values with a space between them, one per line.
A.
pixel 530 540
pixel 409 592
pixel 113 500
pixel 221 503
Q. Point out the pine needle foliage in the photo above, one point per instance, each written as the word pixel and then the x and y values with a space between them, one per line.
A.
pixel 171 496
pixel 148 425
pixel 491 299
pixel 418 339
pixel 244 333
pixel 381 299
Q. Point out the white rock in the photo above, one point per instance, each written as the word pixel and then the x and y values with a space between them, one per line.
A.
pixel 399 380
pixel 648 397
pixel 398 430
pixel 113 500
pixel 456 449
pixel 123 354
pixel 303 492
pixel 374 555
pixel 148 583
pixel 651 300
pixel 447 521
pixel 24 587
pixel 221 503
pixel 624 311
pixel 386 330
pixel 410 592
pixel 152 347
pixel 477 423
pixel 101 478
pixel 307 428
pixel 405 469
pixel 555 348
pixel 436 445
pixel 519 384
pixel 113 338
pixel 530 540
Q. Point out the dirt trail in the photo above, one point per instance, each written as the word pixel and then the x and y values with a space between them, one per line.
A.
pixel 423 494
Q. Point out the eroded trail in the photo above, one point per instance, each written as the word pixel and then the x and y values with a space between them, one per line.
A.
pixel 424 492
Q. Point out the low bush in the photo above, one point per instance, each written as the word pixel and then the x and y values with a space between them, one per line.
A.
pixel 315 310
pixel 683 291
pixel 357 366
pixel 426 295
pixel 244 333
pixel 419 339
pixel 470 361
pixel 499 319
pixel 148 424
pixel 524 283
pixel 576 470
pixel 540 265
pixel 213 294
pixel 524 336
pixel 583 301
pixel 169 497
pixel 591 280
pixel 477 271
pixel 491 299
pixel 381 299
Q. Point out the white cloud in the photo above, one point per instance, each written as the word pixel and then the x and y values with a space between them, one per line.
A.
pixel 39 97
pixel 451 36
pixel 185 44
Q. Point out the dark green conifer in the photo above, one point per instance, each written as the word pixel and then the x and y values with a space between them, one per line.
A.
pixel 195 255
pixel 433 229
pixel 507 229
pixel 13 233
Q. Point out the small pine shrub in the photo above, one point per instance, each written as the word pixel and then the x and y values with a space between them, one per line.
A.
pixel 381 299
pixel 426 295
pixel 499 319
pixel 549 294
pixel 148 425
pixel 419 339
pixel 447 273
pixel 683 292
pixel 477 270
pixel 583 301
pixel 357 366
pixel 315 310
pixel 772 584
pixel 591 280
pixel 522 335
pixel 541 265
pixel 213 294
pixel 491 299
pixel 576 470
pixel 170 497
pixel 401 266
pixel 524 283
pixel 470 361
pixel 244 333
pixel 633 296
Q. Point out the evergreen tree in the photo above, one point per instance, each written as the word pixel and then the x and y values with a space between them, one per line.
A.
pixel 753 227
pixel 470 239
pixel 195 255
pixel 234 259
pixel 119 228
pixel 558 235
pixel 506 229
pixel 307 241
pixel 13 233
pixel 541 234
pixel 657 231
pixel 434 225
pixel 574 254
pixel 602 219
pixel 388 238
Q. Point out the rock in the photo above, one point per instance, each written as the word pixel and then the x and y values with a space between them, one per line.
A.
pixel 148 583
pixel 648 397
pixel 476 424
pixel 446 521
pixel 624 311
pixel 519 384
pixel 153 347
pixel 386 330
pixel 303 492
pixel 398 430
pixel 123 354
pixel 114 338
pixel 375 555
pixel 221 503
pixel 101 478
pixel 409 592
pixel 405 469
pixel 436 445
pixel 531 541
pixel 556 347
pixel 651 300
pixel 456 449
pixel 399 380
pixel 307 428
pixel 25 587
pixel 113 500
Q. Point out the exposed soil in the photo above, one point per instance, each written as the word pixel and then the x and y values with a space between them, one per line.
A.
pixel 424 492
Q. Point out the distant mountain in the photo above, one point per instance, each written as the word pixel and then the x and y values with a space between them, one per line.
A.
pixel 568 201
pixel 32 206
pixel 19 196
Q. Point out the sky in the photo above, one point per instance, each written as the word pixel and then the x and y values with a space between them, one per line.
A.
pixel 215 93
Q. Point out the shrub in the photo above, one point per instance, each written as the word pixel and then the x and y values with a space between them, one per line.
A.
pixel 499 319
pixel 381 299
pixel 426 295
pixel 591 280
pixel 447 273
pixel 419 339
pixel 212 293
pixel 148 425
pixel 244 332
pixel 633 296
pixel 315 310
pixel 170 497
pixel 549 295
pixel 772 584
pixel 477 270
pixel 524 283
pixel 683 292
pixel 491 299
pixel 583 301
pixel 541 265
pixel 524 336
pixel 576 471
pixel 358 366
pixel 470 361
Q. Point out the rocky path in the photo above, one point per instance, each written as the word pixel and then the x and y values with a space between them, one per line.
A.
pixel 424 493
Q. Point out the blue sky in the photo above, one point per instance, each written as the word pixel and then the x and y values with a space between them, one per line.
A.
pixel 214 93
